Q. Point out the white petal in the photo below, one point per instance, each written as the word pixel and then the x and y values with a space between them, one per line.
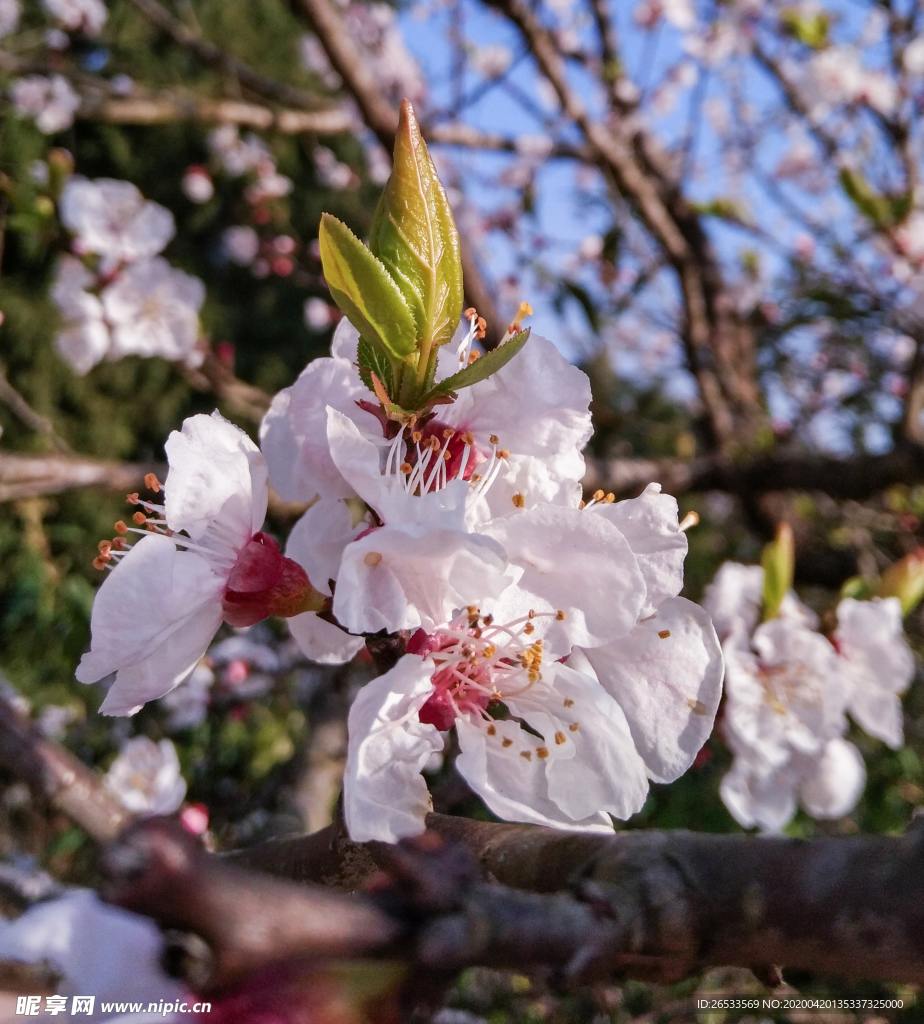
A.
pixel 216 471
pixel 318 539
pixel 759 796
pixel 669 687
pixel 322 641
pixel 165 667
pixel 152 593
pixel 538 405
pixel 606 772
pixel 408 577
pixel 514 787
pixel 384 794
pixel 833 783
pixel 293 434
pixel 566 554
pixel 735 594
pixel 345 342
pixel 650 525
pixel 878 662
pixel 360 463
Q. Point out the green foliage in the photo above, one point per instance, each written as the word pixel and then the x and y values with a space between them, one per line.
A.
pixel 481 368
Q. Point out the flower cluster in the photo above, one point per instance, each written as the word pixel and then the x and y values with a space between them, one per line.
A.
pixel 444 511
pixel 117 296
pixel 789 689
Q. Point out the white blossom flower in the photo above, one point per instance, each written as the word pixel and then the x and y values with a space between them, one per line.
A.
pixel 86 338
pixel 153 310
pixel 241 243
pixel 197 185
pixel 576 766
pixel 187 704
pixel 318 314
pixel 787 692
pixel 113 219
pixel 87 16
pixel 913 58
pixel 878 663
pixel 96 948
pixel 50 101
pixel 162 604
pixel 237 155
pixel 10 11
pixel 146 777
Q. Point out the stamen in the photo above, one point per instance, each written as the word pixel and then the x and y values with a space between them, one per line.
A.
pixel 542 752
pixel 560 738
pixel 560 615
pixel 689 520
pixel 372 559
pixel 139 518
pixel 132 499
pixel 574 725
pixel 527 754
pixel 152 483
pixel 664 633
pixel 120 527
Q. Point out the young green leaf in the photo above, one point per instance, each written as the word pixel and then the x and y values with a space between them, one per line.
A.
pixel 778 561
pixel 481 369
pixel 370 359
pixel 904 579
pixel 363 289
pixel 414 235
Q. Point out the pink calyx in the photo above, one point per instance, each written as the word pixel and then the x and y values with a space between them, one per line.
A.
pixel 264 582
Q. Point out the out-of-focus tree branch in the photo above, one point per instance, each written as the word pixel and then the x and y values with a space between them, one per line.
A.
pixel 25 476
pixel 212 55
pixel 11 398
pixel 55 775
pixel 719 344
pixel 382 119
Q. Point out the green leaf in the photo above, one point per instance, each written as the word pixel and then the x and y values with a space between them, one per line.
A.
pixel 904 579
pixel 811 29
pixel 414 235
pixel 885 210
pixel 371 359
pixel 363 289
pixel 481 369
pixel 778 561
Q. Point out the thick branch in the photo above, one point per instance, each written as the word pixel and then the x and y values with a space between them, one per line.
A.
pixel 380 116
pixel 668 904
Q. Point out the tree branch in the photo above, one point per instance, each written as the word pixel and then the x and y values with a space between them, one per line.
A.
pixel 668 904
pixel 55 775
pixel 719 345
pixel 27 476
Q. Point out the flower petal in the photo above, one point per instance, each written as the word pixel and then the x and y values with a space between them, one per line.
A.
pixel 216 472
pixel 668 686
pixel 384 795
pixel 322 641
pixel 758 795
pixel 565 554
pixel 833 783
pixel 734 595
pixel 409 577
pixel 318 540
pixel 650 525
pixel 878 663
pixel 150 595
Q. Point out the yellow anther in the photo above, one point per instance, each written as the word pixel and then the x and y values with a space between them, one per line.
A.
pixel 152 483
pixel 529 628
pixel 560 738
pixel 406 467
pixel 100 561
pixel 519 501
pixel 506 742
pixel 664 633
pixel 372 559
pixel 120 527
pixel 560 615
pixel 609 499
pixel 503 453
pixel 574 725
pixel 527 754
pixel 532 613
pixel 446 456
pixel 583 503
pixel 569 702
pixel 132 499
pixel 468 437
pixel 494 439
pixel 448 433
pixel 598 495
pixel 689 520
pixel 416 436
pixel 118 544
pixel 470 312
pixel 104 546
pixel 492 730
pixel 542 752
pixel 472 356
pixel 139 518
